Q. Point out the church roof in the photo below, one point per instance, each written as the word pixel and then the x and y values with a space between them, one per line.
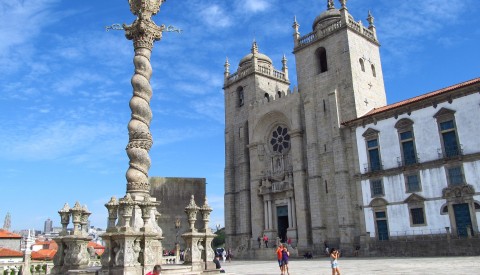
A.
pixel 8 253
pixel 44 254
pixel 332 14
pixel 412 100
pixel 4 234
pixel 260 56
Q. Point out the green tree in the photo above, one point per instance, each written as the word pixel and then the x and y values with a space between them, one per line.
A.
pixel 219 240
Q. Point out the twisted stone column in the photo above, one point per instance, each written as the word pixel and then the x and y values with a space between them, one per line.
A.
pixel 143 31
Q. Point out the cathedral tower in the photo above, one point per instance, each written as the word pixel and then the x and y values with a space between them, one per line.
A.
pixel 290 164
pixel 256 82
pixel 340 78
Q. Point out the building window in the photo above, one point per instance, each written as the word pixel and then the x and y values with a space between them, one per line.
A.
pixel 412 183
pixel 280 140
pixel 374 73
pixel 449 138
pixel 408 148
pixel 455 175
pixel 407 142
pixel 444 210
pixel 241 99
pixel 416 209
pixel 446 126
pixel 417 215
pixel 373 150
pixel 362 64
pixel 373 154
pixel 376 187
pixel 321 55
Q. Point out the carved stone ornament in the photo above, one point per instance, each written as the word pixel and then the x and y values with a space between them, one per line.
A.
pixel 143 32
pixel 466 190
pixel 145 8
pixel 138 186
pixel 191 211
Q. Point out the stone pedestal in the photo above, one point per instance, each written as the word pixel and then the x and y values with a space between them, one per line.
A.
pixel 194 250
pixel 132 246
pixel 72 253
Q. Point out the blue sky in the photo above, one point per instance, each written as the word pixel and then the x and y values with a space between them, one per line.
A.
pixel 65 86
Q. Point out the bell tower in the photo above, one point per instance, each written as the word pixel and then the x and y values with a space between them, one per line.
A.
pixel 341 56
pixel 340 78
pixel 255 83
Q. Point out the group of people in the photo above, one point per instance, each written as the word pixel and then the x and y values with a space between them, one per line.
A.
pixel 282 257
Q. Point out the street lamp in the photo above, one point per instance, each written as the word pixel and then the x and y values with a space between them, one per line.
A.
pixel 177 246
pixel 177 227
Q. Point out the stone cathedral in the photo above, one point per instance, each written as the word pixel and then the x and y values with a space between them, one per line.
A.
pixel 289 161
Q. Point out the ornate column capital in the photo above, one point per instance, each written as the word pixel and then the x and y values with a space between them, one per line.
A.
pixel 143 32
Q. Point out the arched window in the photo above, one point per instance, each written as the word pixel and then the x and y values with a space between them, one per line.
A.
pixel 374 73
pixel 321 56
pixel 241 99
pixel 267 96
pixel 362 65
pixel 279 94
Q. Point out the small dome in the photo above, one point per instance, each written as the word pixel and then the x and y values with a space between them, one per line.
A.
pixel 326 18
pixel 260 57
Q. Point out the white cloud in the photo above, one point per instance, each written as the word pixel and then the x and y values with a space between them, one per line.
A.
pixel 215 16
pixel 211 107
pixel 256 5
pixel 54 140
pixel 21 21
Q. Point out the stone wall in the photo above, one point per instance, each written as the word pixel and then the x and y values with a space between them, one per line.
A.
pixel 174 194
pixel 423 248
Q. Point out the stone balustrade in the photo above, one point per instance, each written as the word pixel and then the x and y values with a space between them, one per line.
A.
pixel 315 35
pixel 260 69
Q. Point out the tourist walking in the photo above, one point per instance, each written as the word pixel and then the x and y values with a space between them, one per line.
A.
pixel 334 255
pixel 265 239
pixel 259 239
pixel 280 257
pixel 224 255
pixel 229 255
pixel 285 256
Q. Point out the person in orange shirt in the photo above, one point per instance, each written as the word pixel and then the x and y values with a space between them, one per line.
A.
pixel 279 258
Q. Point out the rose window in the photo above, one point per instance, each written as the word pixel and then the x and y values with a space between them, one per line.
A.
pixel 280 140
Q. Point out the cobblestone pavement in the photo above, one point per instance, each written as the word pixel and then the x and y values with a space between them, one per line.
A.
pixel 320 266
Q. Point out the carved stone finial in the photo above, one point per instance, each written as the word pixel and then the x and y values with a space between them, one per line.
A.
pixel 330 4
pixel 145 8
pixel 344 4
pixel 370 19
pixel 227 65
pixel 254 47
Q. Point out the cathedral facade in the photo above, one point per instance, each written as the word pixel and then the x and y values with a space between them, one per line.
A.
pixel 294 165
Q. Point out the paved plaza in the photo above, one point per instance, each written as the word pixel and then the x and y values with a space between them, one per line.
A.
pixel 320 266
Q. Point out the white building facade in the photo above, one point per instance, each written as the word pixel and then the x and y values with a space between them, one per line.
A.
pixel 419 163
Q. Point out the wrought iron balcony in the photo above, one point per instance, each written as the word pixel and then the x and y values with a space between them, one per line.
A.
pixel 450 152
pixel 407 160
pixel 372 167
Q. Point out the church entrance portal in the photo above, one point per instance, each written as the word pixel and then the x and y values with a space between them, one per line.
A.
pixel 282 222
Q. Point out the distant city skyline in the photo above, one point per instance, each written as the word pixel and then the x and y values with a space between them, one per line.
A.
pixel 65 87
